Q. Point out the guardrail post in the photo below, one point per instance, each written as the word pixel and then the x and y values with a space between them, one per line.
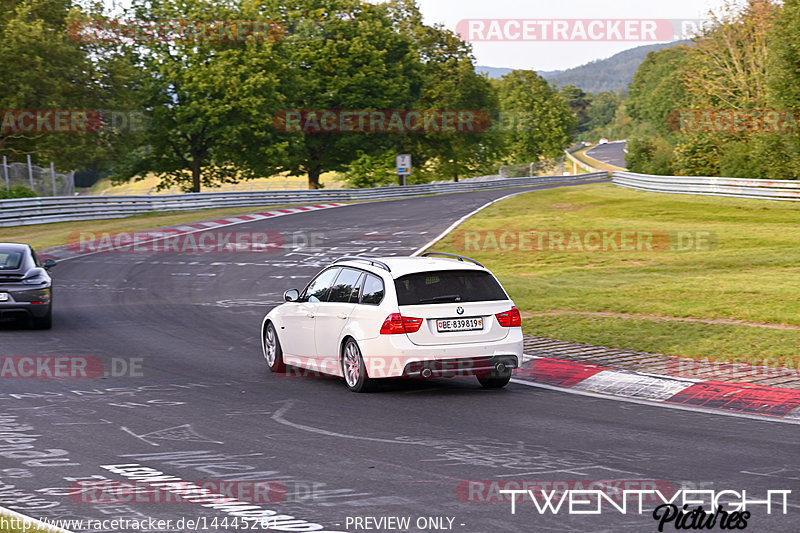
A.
pixel 30 173
pixel 5 173
pixel 53 177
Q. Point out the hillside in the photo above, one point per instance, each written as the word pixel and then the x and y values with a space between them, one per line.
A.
pixel 610 74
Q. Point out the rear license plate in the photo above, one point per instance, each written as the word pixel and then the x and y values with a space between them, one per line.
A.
pixel 3 296
pixel 459 324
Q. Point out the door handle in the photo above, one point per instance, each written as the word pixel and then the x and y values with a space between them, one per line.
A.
pixel 310 315
pixel 342 316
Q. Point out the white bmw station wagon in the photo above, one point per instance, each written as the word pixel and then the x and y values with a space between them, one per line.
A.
pixel 363 318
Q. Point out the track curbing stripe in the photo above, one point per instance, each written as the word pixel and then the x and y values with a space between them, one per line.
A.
pixel 715 396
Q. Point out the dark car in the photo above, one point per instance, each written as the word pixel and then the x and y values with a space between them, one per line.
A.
pixel 26 289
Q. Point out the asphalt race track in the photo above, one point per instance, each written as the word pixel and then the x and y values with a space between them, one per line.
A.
pixel 611 153
pixel 204 407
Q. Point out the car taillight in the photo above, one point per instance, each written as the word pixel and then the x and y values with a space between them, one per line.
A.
pixel 509 319
pixel 396 323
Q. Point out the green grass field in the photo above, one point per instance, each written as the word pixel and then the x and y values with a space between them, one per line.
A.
pixel 737 298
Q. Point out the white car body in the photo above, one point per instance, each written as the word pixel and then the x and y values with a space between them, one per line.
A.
pixel 312 334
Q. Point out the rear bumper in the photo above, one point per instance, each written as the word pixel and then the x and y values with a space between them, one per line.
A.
pixel 14 310
pixel 389 356
pixel 467 366
pixel 19 303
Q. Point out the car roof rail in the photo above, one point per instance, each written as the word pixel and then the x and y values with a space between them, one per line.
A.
pixel 369 260
pixel 453 256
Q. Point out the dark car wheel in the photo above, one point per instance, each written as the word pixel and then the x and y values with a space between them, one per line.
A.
pixel 495 379
pixel 272 349
pixel 45 322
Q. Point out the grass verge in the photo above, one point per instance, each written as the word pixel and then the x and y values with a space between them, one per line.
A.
pixel 11 522
pixel 281 182
pixel 743 266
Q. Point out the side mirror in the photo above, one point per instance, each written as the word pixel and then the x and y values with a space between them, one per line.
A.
pixel 292 295
pixel 49 263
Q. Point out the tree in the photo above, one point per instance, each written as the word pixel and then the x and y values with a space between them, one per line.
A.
pixel 729 64
pixel 369 170
pixel 579 103
pixel 343 56
pixel 602 113
pixel 536 120
pixel 45 70
pixel 659 88
pixel 449 83
pixel 782 150
pixel 206 97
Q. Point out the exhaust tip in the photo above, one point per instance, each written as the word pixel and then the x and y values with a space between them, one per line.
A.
pixel 500 367
pixel 426 373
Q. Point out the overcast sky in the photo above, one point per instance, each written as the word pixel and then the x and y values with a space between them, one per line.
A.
pixel 551 55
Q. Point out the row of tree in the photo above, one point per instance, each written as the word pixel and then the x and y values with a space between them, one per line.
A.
pixel 728 104
pixel 203 111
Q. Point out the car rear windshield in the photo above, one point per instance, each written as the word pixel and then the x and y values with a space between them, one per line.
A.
pixel 10 260
pixel 448 286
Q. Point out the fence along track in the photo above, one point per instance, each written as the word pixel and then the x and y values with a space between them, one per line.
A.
pixel 29 211
pixel 710 186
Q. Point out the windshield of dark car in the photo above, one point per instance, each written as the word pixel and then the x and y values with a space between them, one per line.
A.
pixel 447 286
pixel 10 260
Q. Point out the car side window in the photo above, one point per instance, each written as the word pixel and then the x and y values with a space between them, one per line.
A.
pixel 343 286
pixel 373 290
pixel 317 290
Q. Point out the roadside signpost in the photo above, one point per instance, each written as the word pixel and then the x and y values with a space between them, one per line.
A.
pixel 403 167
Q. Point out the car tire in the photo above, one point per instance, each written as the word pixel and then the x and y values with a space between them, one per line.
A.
pixel 45 322
pixel 273 353
pixel 353 368
pixel 495 379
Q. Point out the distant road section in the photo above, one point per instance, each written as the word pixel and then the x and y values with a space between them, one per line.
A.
pixel 612 153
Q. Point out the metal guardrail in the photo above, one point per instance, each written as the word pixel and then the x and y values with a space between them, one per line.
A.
pixel 580 163
pixel 29 211
pixel 711 186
